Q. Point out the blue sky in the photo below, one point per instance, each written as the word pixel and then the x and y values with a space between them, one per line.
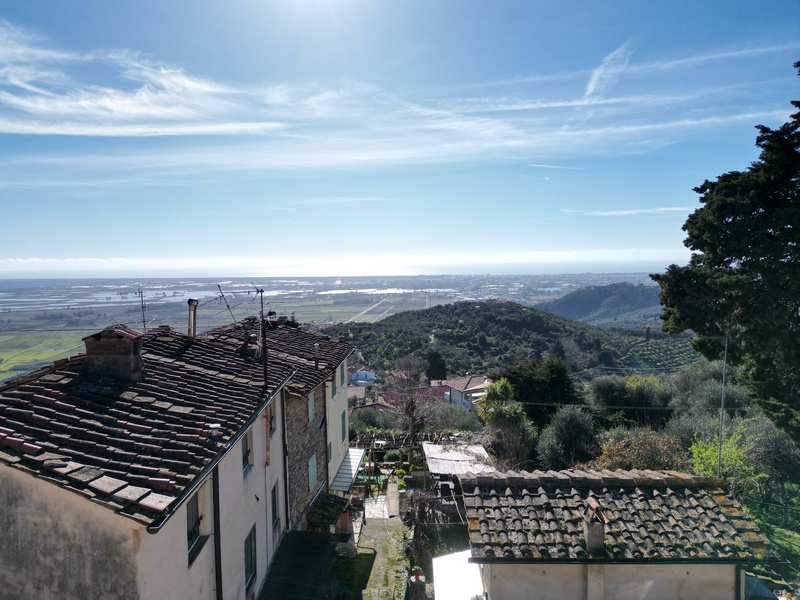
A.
pixel 336 137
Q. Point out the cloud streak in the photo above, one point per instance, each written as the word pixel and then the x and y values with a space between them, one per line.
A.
pixel 682 210
pixel 292 125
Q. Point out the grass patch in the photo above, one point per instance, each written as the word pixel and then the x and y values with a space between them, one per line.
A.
pixel 787 543
pixel 351 575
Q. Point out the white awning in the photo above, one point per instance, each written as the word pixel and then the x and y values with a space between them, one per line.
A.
pixel 348 470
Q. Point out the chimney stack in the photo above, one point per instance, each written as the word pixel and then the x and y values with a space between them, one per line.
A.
pixel 114 352
pixel 594 527
pixel 316 355
pixel 192 302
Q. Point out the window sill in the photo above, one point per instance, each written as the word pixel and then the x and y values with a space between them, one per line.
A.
pixel 246 470
pixel 196 548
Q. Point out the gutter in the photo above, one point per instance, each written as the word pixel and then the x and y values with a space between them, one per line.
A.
pixel 188 491
pixel 500 560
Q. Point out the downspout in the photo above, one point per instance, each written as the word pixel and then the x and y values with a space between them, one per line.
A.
pixel 217 530
pixel 285 460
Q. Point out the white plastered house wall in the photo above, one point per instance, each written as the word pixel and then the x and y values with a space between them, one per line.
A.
pixel 338 420
pixel 91 552
pixel 245 495
pixel 683 581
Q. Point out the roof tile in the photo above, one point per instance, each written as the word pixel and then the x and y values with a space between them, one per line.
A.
pixel 540 516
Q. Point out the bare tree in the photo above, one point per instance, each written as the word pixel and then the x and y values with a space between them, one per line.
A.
pixel 408 394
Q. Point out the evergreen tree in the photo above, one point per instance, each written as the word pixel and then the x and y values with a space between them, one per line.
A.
pixel 742 283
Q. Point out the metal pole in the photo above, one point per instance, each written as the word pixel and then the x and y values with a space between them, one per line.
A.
pixel 722 408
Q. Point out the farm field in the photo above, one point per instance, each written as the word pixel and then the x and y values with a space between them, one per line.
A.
pixel 42 320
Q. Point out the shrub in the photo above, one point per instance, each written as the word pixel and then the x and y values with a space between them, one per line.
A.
pixel 642 449
pixel 569 438
pixel 400 473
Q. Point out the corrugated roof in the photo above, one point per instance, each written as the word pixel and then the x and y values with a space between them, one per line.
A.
pixel 650 516
pixel 346 475
pixel 457 460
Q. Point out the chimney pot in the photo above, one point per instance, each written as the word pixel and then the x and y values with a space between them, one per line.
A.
pixel 192 302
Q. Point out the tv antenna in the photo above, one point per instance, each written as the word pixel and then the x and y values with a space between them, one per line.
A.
pixel 260 291
pixel 140 293
pixel 222 295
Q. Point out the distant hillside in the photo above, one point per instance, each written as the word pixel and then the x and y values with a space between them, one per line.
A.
pixel 480 337
pixel 618 304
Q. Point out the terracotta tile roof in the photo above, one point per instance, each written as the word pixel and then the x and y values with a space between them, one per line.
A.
pixel 313 365
pixel 468 383
pixel 650 516
pixel 135 446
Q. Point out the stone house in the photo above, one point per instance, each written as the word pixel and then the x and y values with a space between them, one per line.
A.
pixel 154 465
pixel 602 535
pixel 316 418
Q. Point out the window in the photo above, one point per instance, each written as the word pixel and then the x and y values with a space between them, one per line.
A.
pixel 344 425
pixel 341 375
pixel 312 472
pixel 330 451
pixel 311 407
pixel 275 518
pixel 272 416
pixel 195 537
pixel 333 387
pixel 193 521
pixel 250 558
pixel 247 451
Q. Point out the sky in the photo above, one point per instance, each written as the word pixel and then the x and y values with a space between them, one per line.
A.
pixel 374 137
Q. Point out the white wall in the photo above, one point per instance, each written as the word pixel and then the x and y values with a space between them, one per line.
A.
pixel 245 501
pixel 607 582
pixel 333 417
pixel 57 544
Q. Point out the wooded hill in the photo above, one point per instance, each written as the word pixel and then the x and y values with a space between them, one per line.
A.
pixel 481 337
pixel 615 305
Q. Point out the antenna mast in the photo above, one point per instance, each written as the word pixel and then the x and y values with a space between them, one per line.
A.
pixel 140 293
pixel 222 295
pixel 263 334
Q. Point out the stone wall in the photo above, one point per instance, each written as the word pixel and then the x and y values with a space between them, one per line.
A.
pixel 305 437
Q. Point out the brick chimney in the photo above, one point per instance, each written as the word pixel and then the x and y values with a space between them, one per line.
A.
pixel 115 353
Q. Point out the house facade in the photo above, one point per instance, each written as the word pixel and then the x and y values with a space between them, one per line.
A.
pixel 316 416
pixel 153 466
pixel 466 391
pixel 602 535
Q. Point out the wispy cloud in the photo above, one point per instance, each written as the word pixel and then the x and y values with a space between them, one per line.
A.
pixel 683 210
pixel 705 58
pixel 300 124
pixel 334 200
pixel 606 75
pixel 553 167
